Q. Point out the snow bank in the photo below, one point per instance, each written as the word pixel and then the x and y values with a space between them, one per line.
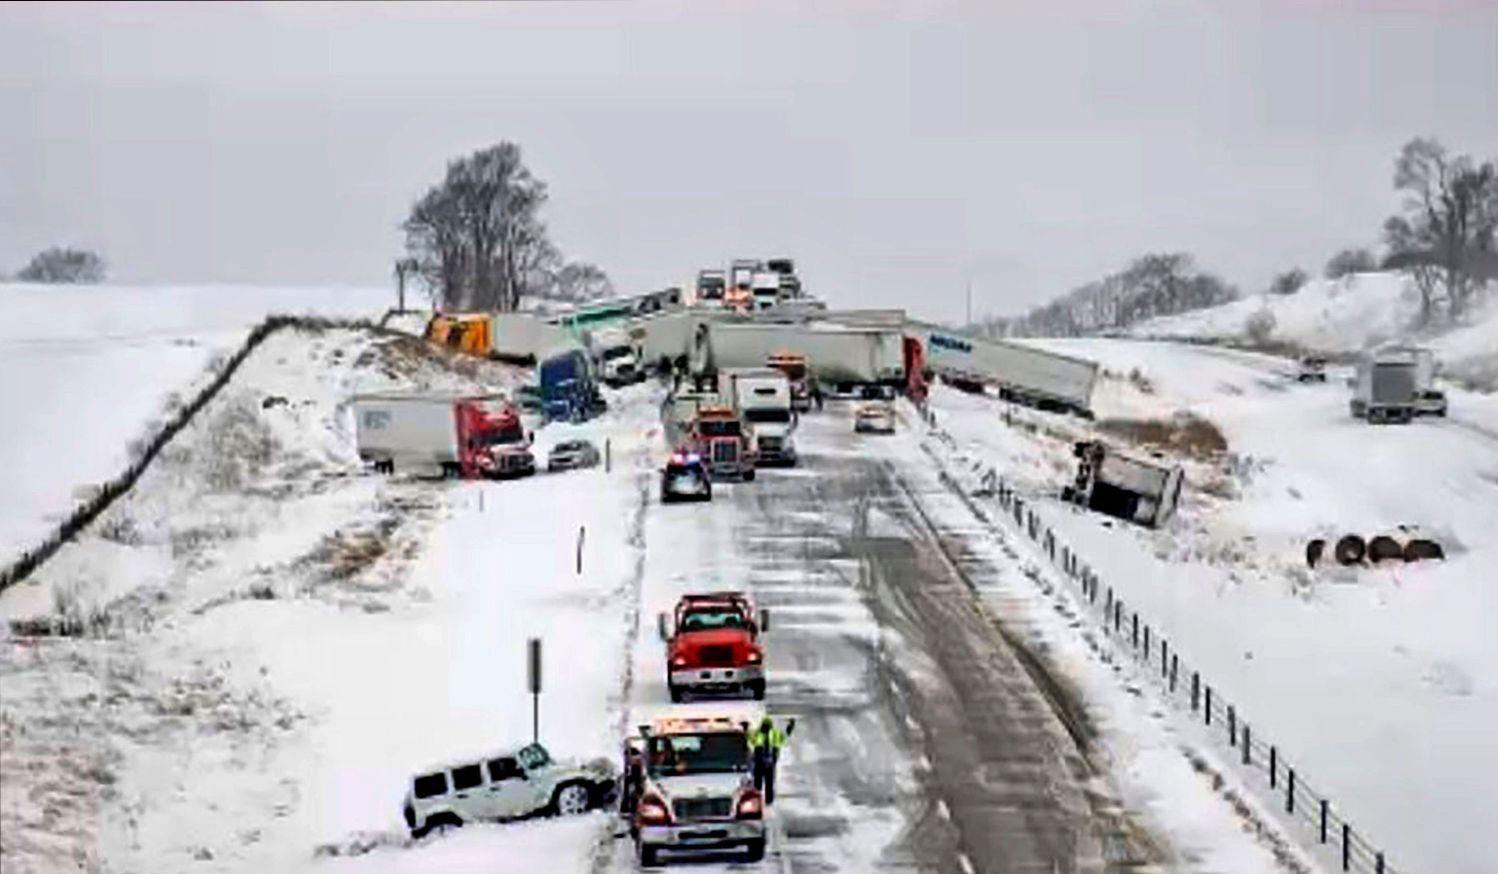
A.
pixel 84 370
pixel 1380 683
pixel 1357 312
pixel 276 639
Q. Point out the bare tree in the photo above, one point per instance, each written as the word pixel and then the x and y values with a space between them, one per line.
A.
pixel 1447 227
pixel 64 266
pixel 1348 262
pixel 478 233
pixel 1288 282
pixel 580 281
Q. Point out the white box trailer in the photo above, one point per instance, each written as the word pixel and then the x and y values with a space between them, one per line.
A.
pixel 1021 373
pixel 441 433
pixel 525 337
pixel 834 354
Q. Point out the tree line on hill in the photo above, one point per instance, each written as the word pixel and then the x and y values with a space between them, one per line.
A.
pixel 1443 238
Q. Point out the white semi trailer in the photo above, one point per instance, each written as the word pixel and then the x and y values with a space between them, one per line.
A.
pixel 525 337
pixel 1387 387
pixel 837 355
pixel 1021 373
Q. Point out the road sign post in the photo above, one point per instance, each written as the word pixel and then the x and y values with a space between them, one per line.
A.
pixel 533 683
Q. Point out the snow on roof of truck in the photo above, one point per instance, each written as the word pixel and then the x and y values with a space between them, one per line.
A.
pixel 436 397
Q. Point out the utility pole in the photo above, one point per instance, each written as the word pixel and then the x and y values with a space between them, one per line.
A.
pixel 403 267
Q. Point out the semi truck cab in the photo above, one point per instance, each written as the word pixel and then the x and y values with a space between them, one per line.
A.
pixel 712 646
pixel 724 443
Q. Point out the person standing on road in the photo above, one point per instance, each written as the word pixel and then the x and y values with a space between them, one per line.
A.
pixel 765 743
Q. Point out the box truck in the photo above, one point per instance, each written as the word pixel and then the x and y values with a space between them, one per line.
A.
pixel 1385 387
pixel 1021 373
pixel 762 398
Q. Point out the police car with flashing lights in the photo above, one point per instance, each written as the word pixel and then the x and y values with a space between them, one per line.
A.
pixel 685 478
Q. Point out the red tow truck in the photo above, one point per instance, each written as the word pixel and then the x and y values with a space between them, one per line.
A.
pixel 712 645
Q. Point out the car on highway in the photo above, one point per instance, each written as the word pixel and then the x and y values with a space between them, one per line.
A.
pixel 571 455
pixel 1430 402
pixel 694 791
pixel 685 478
pixel 876 417
pixel 507 785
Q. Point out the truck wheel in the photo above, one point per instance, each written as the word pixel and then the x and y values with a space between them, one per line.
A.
pixel 676 693
pixel 754 850
pixel 757 689
pixel 649 856
pixel 749 475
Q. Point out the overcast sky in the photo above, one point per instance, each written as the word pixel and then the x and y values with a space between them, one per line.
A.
pixel 896 150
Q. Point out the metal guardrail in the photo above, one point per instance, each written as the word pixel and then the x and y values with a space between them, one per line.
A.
pixel 1188 688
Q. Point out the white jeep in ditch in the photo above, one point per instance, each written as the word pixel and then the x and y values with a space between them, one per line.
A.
pixel 507 785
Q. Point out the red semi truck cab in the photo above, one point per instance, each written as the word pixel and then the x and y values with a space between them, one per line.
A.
pixel 713 646
pixel 492 440
pixel 724 443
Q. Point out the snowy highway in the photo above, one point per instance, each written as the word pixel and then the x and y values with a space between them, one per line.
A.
pixel 922 743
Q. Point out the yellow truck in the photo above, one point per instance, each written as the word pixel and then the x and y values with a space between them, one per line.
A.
pixel 470 333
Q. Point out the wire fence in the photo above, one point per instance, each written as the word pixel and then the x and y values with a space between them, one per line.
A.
pixel 107 493
pixel 1190 689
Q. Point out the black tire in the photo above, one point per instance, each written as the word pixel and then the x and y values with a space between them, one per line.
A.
pixel 649 856
pixel 749 475
pixel 437 823
pixel 677 694
pixel 757 689
pixel 754 851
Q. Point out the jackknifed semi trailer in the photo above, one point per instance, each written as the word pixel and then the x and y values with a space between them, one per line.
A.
pixel 1020 373
pixel 837 356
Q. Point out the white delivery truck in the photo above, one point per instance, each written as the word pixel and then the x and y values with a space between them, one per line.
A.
pixel 1386 387
pixel 1021 373
pixel 1138 490
pixel 444 434
pixel 762 398
pixel 525 337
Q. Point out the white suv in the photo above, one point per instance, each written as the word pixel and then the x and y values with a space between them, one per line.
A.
pixel 504 786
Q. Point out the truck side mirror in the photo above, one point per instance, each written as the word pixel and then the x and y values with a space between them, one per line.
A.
pixel 660 627
pixel 764 621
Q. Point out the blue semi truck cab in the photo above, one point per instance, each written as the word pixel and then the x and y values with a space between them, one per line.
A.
pixel 569 391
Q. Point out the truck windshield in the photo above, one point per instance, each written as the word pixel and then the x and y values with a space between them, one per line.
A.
pixel 709 619
pixel 617 352
pixel 557 371
pixel 707 753
pixel 778 417
pixel 728 428
pixel 502 434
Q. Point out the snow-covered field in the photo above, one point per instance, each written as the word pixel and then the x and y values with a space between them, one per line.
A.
pixel 1355 313
pixel 1379 682
pixel 86 369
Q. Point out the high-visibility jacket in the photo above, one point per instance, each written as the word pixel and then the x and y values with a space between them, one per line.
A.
pixel 772 738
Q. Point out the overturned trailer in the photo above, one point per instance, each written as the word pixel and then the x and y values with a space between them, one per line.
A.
pixel 1144 491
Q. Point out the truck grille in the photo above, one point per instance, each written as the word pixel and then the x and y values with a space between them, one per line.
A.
pixel 690 809
pixel 725 451
pixel 715 656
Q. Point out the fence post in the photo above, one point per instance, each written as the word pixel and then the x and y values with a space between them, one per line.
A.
pixel 1108 608
pixel 1196 687
pixel 1232 727
pixel 1208 708
pixel 1164 658
pixel 1324 806
pixel 1146 644
pixel 1346 845
pixel 1378 863
pixel 1135 633
pixel 1290 799
pixel 1273 765
pixel 1247 745
pixel 1174 663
